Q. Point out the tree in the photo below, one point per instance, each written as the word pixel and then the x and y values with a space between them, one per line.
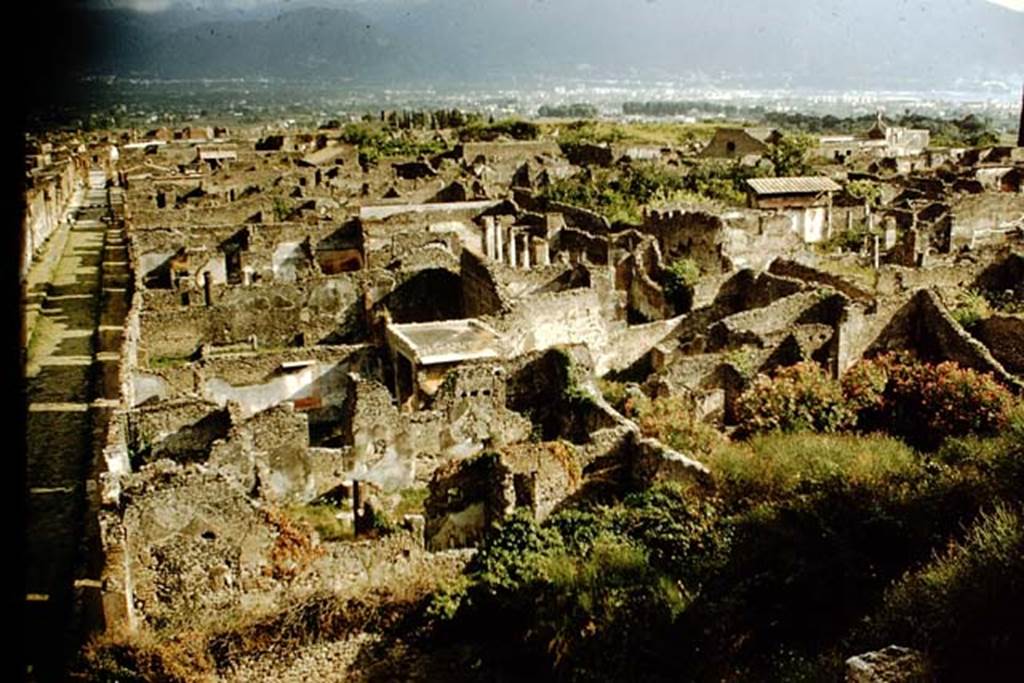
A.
pixel 789 154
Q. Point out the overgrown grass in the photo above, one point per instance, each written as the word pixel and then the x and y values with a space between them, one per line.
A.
pixel 772 577
pixel 412 502
pixel 673 421
pixel 325 520
pixel 775 466
pixel 971 308
pixel 964 607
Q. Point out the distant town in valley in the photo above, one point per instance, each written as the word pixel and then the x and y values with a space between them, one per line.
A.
pixel 371 342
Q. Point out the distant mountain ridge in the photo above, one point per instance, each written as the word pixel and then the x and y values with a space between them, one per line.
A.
pixel 869 42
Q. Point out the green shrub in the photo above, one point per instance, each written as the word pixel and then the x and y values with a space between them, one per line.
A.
pixel 965 606
pixel 678 280
pixel 673 421
pixel 771 579
pixel 508 557
pixel 513 128
pixel 797 398
pixel 613 392
pixel 602 608
pixel 971 309
pixel 865 190
pixel 682 533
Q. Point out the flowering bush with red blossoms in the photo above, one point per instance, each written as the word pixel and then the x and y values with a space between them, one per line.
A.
pixel 920 402
pixel 923 403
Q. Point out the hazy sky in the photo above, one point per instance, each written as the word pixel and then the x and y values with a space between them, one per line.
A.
pixel 157 5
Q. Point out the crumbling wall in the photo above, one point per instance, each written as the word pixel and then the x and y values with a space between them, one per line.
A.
pixel 482 295
pixel 947 276
pixel 696 235
pixel 243 210
pixel 767 326
pixel 988 218
pixel 392 448
pixel 574 216
pixel 752 239
pixel 385 243
pixel 652 462
pixel 628 345
pixel 195 545
pixel 577 316
pixel 553 387
pixel 802 271
pixel 321 311
pixel 314 380
pixel 637 274
pixel 465 499
pixel 506 151
pixel 582 245
pixel 268 455
pixel 181 430
pixel 925 326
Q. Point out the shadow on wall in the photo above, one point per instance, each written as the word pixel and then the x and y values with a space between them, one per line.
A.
pixel 429 295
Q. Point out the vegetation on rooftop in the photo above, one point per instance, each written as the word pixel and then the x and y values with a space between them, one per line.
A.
pixel 376 141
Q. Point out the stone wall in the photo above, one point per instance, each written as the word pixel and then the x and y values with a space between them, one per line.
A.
pixel 925 326
pixel 314 380
pixel 626 346
pixel 801 271
pixel 582 246
pixel 254 209
pixel 696 235
pixel 465 499
pixel 268 455
pixel 46 206
pixel 752 239
pixel 482 294
pixel 988 218
pixel 193 544
pixel 1004 337
pixel 576 316
pixel 392 448
pixel 182 430
pixel 506 151
pixel 322 311
pixel 574 216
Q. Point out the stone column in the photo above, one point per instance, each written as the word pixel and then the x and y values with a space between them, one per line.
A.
pixel 890 235
pixel 489 237
pixel 247 276
pixel 525 252
pixel 876 253
pixel 208 288
pixel 499 240
pixel 828 216
pixel 513 235
pixel 541 252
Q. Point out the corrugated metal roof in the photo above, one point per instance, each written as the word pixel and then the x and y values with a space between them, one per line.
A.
pixel 803 185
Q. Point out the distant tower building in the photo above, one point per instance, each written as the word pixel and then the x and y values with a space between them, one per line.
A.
pixel 1020 130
